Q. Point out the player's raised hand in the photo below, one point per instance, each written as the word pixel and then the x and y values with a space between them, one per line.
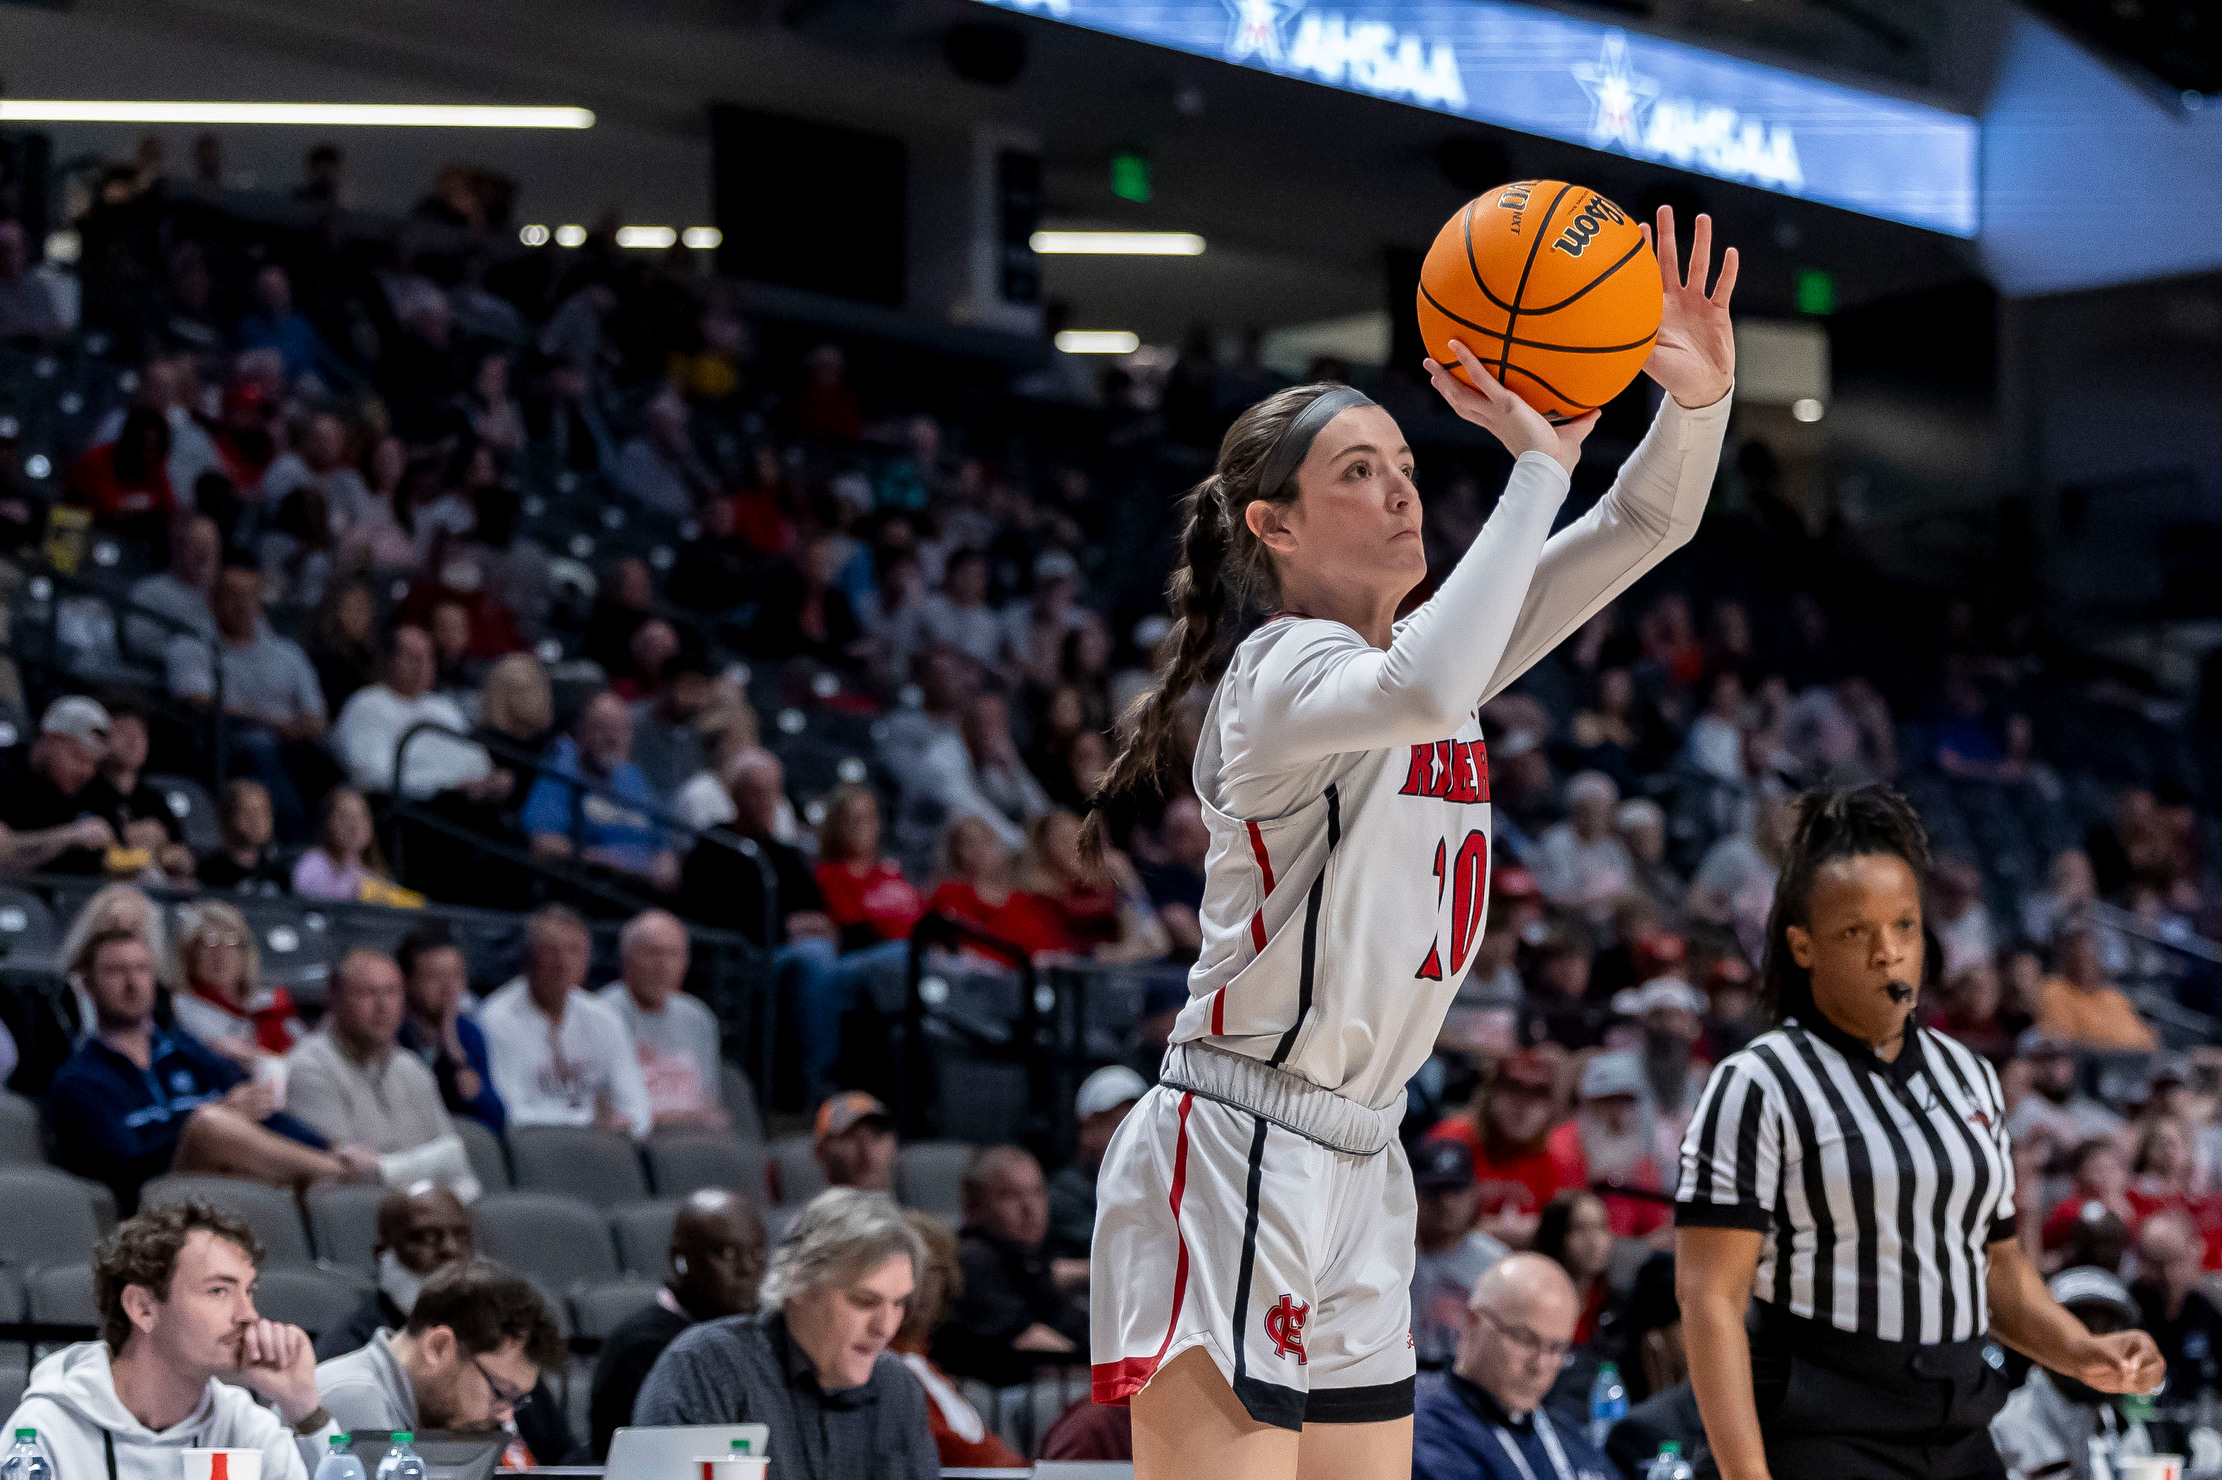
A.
pixel 1694 357
pixel 1481 400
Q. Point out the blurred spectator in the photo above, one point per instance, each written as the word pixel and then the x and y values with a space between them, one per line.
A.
pixel 273 324
pixel 2080 1006
pixel 27 308
pixel 1452 1255
pixel 351 1081
pixel 1508 1137
pixel 2056 1426
pixel 1576 1233
pixel 344 862
pixel 816 1362
pixel 182 1361
pixel 659 469
pixel 1735 881
pixel 559 1057
pixel 1732 1016
pixel 180 593
pixel 1612 734
pixel 824 408
pixel 48 806
pixel 246 861
pixel 2071 888
pixel 126 483
pixel 1013 1309
pixel 517 706
pixel 1716 738
pixel 674 1036
pixel 1036 630
pixel 2101 1173
pixel 612 825
pixel 623 602
pixel 958 615
pixel 219 995
pixel 435 980
pixel 1559 1009
pixel 496 417
pixel 273 704
pixel 1641 824
pixel 2165 1176
pixel 1672 1013
pixel 865 894
pixel 667 733
pixel 343 644
pixel 2181 1317
pixel 1101 906
pixel 140 815
pixel 717 1263
pixel 960 1435
pixel 318 460
pixel 474 1349
pixel 374 721
pixel 1174 878
pixel 998 772
pixel 1609 1141
pixel 134 1102
pixel 1971 1012
pixel 1098 1108
pixel 1486 1421
pixel 978 887
pixel 2056 1106
pixel 930 754
pixel 855 1142
pixel 1957 914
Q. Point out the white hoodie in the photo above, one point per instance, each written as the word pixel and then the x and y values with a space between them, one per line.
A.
pixel 72 1400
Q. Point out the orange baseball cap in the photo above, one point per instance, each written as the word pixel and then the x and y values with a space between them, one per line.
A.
pixel 845 1110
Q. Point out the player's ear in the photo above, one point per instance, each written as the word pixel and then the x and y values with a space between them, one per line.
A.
pixel 1270 523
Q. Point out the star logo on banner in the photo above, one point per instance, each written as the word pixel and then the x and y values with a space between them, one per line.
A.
pixel 1255 30
pixel 1620 93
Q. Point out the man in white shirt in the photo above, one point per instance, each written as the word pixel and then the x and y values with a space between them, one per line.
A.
pixel 959 615
pixel 373 721
pixel 558 1056
pixel 674 1036
pixel 321 462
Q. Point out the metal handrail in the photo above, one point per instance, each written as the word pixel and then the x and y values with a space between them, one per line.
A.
pixel 1025 1042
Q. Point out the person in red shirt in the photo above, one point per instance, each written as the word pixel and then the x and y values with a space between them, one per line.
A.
pixel 2101 1178
pixel 126 483
pixel 1509 1135
pixel 1607 1142
pixel 866 895
pixel 976 888
pixel 2165 1176
pixel 1577 1235
pixel 961 1436
pixel 1104 906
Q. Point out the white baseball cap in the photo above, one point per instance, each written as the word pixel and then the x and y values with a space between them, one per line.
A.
pixel 1107 1089
pixel 79 718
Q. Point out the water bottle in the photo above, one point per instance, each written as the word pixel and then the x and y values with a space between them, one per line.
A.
pixel 1608 1403
pixel 1669 1465
pixel 401 1462
pixel 339 1462
pixel 25 1460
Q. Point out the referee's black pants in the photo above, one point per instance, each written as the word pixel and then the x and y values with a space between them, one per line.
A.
pixel 1834 1406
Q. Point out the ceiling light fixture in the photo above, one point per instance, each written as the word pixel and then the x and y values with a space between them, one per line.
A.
pixel 650 238
pixel 533 236
pixel 1806 408
pixel 1119 243
pixel 702 238
pixel 315 115
pixel 570 236
pixel 1098 342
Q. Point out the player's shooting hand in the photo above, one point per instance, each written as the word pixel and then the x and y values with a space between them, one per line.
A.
pixel 1480 399
pixel 1694 357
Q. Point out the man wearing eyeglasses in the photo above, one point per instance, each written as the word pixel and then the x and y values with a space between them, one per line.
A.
pixel 471 1354
pixel 1486 1421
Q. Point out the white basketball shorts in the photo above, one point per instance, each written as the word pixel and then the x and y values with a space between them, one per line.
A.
pixel 1289 1262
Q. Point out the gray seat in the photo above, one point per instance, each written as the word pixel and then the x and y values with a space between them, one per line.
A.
pixel 600 1309
pixel 295 944
pixel 643 1233
pixel 21 1141
pixel 560 1241
pixel 484 1148
pixel 796 1175
pixel 738 1094
pixel 559 1306
pixel 271 1213
pixel 682 1162
pixel 28 930
pixel 68 1222
pixel 316 1300
pixel 578 1161
pixel 343 1223
pixel 929 1176
pixel 195 811
pixel 61 1296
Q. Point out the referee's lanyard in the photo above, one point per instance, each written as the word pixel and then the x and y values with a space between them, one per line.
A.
pixel 1548 1435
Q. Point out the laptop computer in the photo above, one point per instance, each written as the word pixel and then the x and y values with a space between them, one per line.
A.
pixel 446 1455
pixel 650 1452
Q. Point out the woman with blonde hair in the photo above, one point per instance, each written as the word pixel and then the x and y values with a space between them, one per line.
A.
pixel 219 996
pixel 1105 907
pixel 866 895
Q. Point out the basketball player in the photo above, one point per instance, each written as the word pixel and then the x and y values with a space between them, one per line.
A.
pixel 1254 1236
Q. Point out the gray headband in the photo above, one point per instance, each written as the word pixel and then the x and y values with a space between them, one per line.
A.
pixel 1288 452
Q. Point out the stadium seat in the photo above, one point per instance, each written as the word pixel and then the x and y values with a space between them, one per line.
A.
pixel 270 1212
pixel 488 1159
pixel 929 1176
pixel 796 1175
pixel 643 1232
pixel 316 1300
pixel 28 931
pixel 13 1380
pixel 599 1309
pixel 195 811
pixel 61 1296
pixel 295 951
pixel 597 1166
pixel 738 1093
pixel 343 1223
pixel 66 1228
pixel 560 1241
pixel 681 1162
pixel 22 1143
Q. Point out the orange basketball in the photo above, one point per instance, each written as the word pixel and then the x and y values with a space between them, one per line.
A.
pixel 1551 286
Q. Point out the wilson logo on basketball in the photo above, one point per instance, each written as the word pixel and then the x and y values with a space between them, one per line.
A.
pixel 1284 1324
pixel 1591 219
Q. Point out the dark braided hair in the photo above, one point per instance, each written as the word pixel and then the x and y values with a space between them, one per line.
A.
pixel 1835 823
pixel 1224 571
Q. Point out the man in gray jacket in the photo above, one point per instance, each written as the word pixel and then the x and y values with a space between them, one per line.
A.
pixel 476 1342
pixel 814 1366
pixel 2055 1428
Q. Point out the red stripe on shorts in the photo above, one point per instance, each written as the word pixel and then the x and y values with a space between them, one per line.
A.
pixel 1116 1382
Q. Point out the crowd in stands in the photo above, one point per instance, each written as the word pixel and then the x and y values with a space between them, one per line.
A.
pixel 334 484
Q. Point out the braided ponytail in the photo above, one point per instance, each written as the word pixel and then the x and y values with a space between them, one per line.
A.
pixel 1832 824
pixel 1222 570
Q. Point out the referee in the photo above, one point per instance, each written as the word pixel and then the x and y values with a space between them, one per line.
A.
pixel 1847 1178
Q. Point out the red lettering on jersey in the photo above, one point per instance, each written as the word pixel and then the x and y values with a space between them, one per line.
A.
pixel 1442 783
pixel 1477 755
pixel 1455 770
pixel 1431 970
pixel 1469 900
pixel 1415 779
pixel 1462 788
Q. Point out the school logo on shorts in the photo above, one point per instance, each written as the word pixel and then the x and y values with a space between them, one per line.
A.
pixel 1284 1323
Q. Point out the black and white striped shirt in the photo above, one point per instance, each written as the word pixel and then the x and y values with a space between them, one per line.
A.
pixel 1878 1186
